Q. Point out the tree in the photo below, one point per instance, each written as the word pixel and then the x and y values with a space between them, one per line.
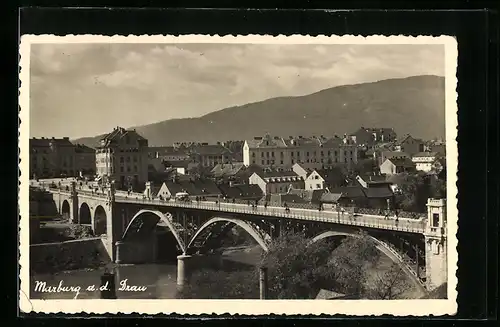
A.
pixel 296 268
pixel 350 262
pixel 212 284
pixel 389 285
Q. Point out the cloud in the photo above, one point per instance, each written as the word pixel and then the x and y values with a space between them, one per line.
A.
pixel 86 89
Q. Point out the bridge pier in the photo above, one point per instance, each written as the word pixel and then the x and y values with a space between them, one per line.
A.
pixel 187 264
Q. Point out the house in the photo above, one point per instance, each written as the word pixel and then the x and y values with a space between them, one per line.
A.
pixel 372 135
pixel 350 196
pixel 397 166
pixel 241 191
pixel 372 181
pixel 310 196
pixel 194 187
pixel 324 179
pixel 410 145
pixel 383 155
pixel 356 195
pixel 209 155
pixel 276 181
pixel 427 161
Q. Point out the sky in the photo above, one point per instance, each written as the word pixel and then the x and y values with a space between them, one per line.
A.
pixel 81 90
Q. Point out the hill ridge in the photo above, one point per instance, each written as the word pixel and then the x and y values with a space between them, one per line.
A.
pixel 413 105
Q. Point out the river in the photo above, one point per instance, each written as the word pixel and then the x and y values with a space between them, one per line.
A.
pixel 160 279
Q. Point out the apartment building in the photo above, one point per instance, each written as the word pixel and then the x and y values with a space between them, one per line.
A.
pixel 281 153
pixel 56 157
pixel 123 157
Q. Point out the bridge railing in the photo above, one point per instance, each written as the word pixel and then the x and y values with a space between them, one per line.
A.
pixel 362 220
pixel 379 222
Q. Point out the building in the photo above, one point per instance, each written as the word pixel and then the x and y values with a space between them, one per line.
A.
pixel 367 136
pixel 209 155
pixel 324 179
pixel 250 192
pixel 279 153
pixel 168 153
pixel 427 161
pixel 123 157
pixel 382 156
pixel 194 187
pixel 410 145
pixel 397 166
pixel 85 160
pixel 59 157
pixel 276 181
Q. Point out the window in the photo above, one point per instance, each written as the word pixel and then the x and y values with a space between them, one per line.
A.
pixel 268 162
pixel 281 161
pixel 267 154
pixel 318 186
pixel 293 153
pixel 272 154
pixel 435 220
pixel 329 152
pixel 121 159
pixel 128 169
pixel 253 161
pixel 293 161
pixel 262 162
pixel 128 159
pixel 135 169
pixel 121 169
pixel 135 159
pixel 253 154
pixel 298 154
pixel 321 153
pixel 262 154
pixel 307 154
pixel 281 154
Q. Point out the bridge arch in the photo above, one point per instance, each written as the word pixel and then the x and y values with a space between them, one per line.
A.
pixel 100 221
pixel 66 210
pixel 85 214
pixel 258 235
pixel 382 247
pixel 138 224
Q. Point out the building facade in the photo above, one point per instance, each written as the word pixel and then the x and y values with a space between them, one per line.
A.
pixel 277 152
pixel 368 136
pixel 123 157
pixel 397 166
pixel 276 181
pixel 410 145
pixel 59 157
pixel 426 161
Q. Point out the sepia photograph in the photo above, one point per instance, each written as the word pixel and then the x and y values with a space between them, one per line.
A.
pixel 239 168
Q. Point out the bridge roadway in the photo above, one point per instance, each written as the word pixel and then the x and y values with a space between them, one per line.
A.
pixel 329 216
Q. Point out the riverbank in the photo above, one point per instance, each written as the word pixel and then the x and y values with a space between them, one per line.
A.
pixel 89 253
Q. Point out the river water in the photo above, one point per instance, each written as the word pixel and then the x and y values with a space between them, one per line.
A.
pixel 160 279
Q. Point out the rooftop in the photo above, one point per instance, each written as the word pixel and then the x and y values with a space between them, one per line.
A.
pixel 46 142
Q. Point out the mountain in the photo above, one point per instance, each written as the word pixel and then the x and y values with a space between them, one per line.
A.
pixel 414 105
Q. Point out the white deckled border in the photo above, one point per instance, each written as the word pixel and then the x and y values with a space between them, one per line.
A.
pixel 246 307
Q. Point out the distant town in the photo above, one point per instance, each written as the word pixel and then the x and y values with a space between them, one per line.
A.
pixel 371 168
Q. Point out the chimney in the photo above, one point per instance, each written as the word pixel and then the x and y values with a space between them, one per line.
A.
pixel 66 138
